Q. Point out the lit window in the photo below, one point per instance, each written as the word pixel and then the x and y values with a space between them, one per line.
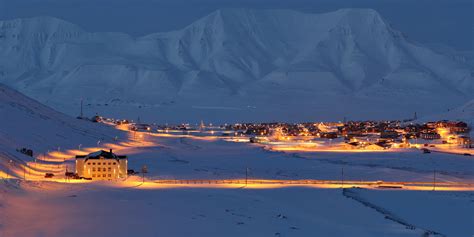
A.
pixel 93 176
pixel 110 175
pixel 103 175
pixel 93 169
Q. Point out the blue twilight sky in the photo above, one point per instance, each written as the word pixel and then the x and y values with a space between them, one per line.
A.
pixel 447 22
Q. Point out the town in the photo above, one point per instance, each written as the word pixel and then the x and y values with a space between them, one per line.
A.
pixel 443 136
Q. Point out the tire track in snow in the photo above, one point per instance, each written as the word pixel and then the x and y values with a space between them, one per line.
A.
pixel 350 193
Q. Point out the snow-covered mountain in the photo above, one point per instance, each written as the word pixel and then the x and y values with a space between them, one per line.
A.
pixel 26 123
pixel 236 64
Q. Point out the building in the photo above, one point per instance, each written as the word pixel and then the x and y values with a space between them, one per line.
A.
pixel 102 165
pixel 430 135
pixel 458 127
pixel 389 134
pixel 464 141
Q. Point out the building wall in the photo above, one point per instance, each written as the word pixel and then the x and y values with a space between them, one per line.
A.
pixel 102 169
pixel 123 168
pixel 80 167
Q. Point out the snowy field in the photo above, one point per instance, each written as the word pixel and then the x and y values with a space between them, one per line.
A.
pixel 121 209
pixel 92 210
pixel 188 158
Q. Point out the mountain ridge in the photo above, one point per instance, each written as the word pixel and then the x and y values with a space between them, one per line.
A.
pixel 229 56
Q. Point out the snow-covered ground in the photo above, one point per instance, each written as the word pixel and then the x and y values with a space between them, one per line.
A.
pixel 28 123
pixel 446 213
pixel 92 210
pixel 181 158
pixel 121 209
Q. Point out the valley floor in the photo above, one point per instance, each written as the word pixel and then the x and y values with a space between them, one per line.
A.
pixel 41 208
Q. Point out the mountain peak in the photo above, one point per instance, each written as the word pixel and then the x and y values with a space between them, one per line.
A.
pixel 239 54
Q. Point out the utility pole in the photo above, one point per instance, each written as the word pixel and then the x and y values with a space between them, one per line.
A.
pixel 144 170
pixel 81 108
pixel 246 176
pixel 342 177
pixel 10 162
pixel 65 172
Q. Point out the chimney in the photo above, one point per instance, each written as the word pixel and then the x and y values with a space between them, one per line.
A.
pixel 110 150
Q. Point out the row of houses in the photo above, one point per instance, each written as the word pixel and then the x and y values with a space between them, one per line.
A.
pixel 386 131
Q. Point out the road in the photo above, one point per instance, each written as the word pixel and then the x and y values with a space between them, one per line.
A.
pixel 312 183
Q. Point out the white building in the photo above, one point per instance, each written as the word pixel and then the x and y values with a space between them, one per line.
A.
pixel 102 165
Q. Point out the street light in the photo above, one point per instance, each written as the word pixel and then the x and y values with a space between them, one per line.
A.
pixel 10 163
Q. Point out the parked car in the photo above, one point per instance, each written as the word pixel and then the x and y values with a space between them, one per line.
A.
pixel 467 154
pixel 426 151
pixel 140 127
pixel 49 175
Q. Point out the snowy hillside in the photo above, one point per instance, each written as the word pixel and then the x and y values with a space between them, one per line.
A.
pixel 28 124
pixel 236 64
